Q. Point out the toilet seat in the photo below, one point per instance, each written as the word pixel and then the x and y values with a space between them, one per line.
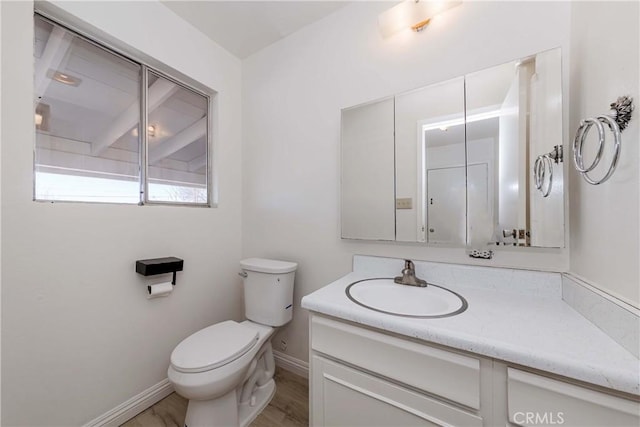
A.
pixel 213 347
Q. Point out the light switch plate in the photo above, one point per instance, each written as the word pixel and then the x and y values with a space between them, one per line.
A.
pixel 404 203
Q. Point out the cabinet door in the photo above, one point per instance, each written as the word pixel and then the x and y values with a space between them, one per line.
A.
pixel 452 376
pixel 367 183
pixel 535 400
pixel 343 396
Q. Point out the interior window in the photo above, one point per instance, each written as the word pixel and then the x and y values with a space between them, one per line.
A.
pixel 88 115
pixel 177 135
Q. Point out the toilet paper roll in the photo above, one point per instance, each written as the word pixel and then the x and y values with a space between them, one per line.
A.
pixel 159 290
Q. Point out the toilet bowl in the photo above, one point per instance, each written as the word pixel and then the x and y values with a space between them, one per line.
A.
pixel 226 370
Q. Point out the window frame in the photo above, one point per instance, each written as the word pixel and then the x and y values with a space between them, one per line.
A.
pixel 162 71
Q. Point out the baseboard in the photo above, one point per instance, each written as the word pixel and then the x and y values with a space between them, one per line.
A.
pixel 291 364
pixel 132 407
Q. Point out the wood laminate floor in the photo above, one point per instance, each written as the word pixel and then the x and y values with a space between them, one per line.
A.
pixel 288 408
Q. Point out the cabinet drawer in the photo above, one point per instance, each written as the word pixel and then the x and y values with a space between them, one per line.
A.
pixel 450 375
pixel 535 400
pixel 344 396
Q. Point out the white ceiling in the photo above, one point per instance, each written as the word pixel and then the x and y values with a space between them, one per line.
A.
pixel 245 27
pixel 475 131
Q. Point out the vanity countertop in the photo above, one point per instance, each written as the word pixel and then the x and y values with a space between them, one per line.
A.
pixel 522 320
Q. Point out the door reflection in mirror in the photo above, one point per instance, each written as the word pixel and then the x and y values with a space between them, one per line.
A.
pixel 523 104
pixel 430 156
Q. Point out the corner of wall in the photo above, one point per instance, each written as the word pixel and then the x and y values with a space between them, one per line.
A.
pixel 604 219
pixel 1 38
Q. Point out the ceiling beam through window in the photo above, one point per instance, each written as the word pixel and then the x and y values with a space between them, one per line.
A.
pixel 179 141
pixel 159 92
pixel 52 55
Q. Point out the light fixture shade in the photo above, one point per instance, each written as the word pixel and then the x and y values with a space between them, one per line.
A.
pixel 411 14
pixel 42 117
pixel 63 77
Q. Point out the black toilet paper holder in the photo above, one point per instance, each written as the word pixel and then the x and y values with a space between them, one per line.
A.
pixel 153 266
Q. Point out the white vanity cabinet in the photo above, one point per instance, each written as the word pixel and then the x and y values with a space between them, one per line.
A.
pixel 538 400
pixel 346 396
pixel 365 377
pixel 361 377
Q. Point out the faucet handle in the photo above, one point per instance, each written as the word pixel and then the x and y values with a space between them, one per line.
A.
pixel 409 276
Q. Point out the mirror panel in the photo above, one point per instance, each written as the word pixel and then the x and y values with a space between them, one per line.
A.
pixel 453 163
pixel 367 175
pixel 514 114
pixel 430 164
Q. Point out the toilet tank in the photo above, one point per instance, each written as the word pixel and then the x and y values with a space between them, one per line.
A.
pixel 268 290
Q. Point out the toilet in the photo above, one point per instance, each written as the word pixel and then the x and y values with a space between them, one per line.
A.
pixel 226 370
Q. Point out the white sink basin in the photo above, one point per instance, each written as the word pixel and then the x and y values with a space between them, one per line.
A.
pixel 386 296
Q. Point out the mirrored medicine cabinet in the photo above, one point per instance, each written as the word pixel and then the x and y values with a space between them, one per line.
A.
pixel 458 162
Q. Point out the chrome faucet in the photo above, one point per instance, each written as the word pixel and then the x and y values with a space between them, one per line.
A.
pixel 409 276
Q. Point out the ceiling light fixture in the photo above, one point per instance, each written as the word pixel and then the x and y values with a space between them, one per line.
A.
pixel 414 14
pixel 64 78
pixel 491 114
pixel 42 117
pixel 151 131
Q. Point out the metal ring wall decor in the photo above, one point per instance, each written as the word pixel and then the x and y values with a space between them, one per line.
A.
pixel 541 166
pixel 543 170
pixel 623 107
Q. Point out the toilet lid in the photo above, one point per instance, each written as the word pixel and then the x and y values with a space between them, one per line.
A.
pixel 213 347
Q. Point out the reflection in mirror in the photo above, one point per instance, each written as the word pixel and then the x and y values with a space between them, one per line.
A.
pixel 367 181
pixel 514 115
pixel 430 164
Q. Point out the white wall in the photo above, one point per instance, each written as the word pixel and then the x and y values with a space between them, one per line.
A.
pixel 605 218
pixel 0 214
pixel 292 95
pixel 79 336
